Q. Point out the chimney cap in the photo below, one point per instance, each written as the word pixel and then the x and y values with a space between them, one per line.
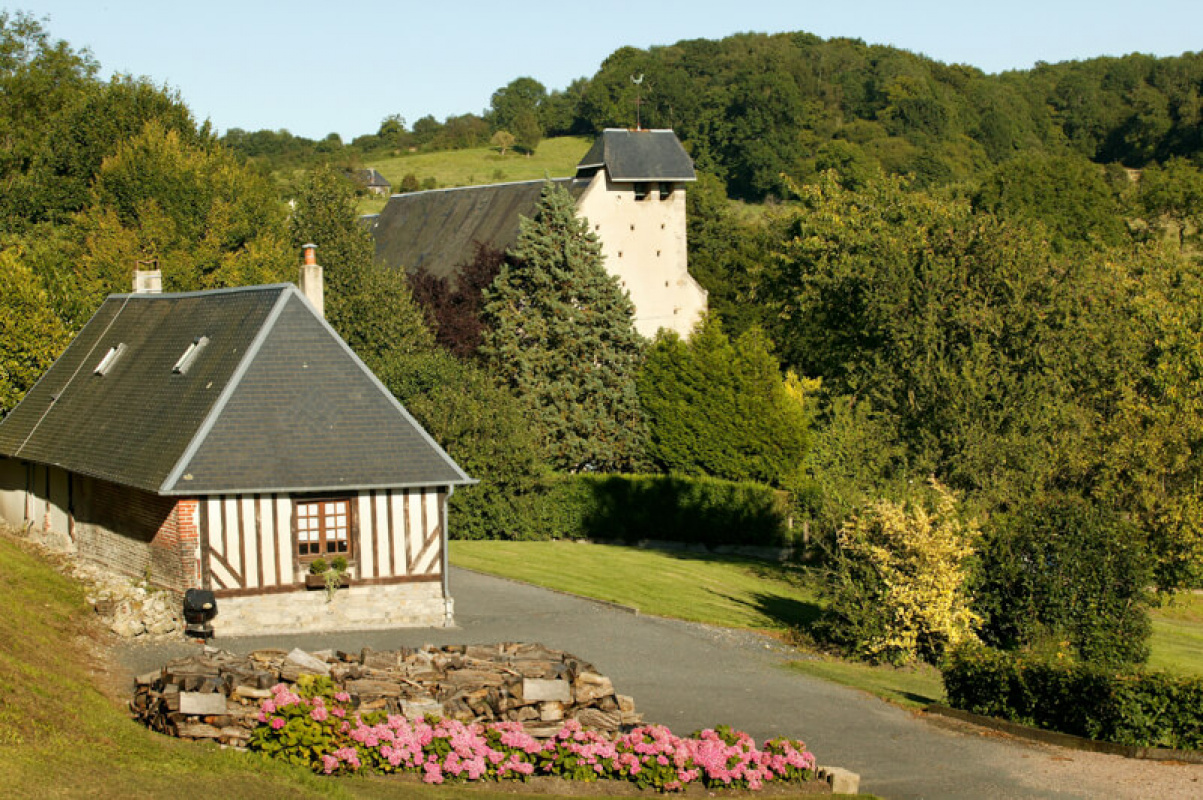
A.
pixel 310 255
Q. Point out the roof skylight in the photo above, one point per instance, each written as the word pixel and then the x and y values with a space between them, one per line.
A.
pixel 109 359
pixel 194 349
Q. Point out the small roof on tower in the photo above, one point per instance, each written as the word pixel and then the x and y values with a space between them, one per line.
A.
pixel 638 155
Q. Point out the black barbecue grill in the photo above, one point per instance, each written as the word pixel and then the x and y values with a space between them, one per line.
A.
pixel 200 607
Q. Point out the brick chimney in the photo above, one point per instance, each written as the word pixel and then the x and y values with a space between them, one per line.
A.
pixel 311 279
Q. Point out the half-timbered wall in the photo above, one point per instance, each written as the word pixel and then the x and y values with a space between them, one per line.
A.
pixel 249 542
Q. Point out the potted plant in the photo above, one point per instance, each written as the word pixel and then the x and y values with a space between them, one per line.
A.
pixel 328 576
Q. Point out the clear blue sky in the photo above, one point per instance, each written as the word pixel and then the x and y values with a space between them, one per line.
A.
pixel 315 67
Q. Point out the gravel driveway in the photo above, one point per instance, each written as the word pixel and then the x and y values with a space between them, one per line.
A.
pixel 691 676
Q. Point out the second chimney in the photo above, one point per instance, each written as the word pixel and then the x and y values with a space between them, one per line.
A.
pixel 311 279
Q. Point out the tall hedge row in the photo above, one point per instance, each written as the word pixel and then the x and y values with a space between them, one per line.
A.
pixel 629 508
pixel 1143 709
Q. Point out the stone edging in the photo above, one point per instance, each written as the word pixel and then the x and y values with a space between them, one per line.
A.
pixel 606 603
pixel 1066 739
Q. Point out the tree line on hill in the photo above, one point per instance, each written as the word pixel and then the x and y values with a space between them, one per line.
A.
pixel 757 110
pixel 984 403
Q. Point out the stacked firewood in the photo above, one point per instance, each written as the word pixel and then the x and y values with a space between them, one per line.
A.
pixel 217 695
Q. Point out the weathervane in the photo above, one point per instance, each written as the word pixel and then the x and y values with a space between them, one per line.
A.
pixel 638 100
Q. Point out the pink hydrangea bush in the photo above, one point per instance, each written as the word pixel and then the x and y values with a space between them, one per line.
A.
pixel 325 734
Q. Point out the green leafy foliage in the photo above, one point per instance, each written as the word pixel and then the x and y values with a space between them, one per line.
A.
pixel 1149 709
pixel 1068 194
pixel 487 430
pixel 1061 569
pixel 31 335
pixel 195 211
pixel 900 590
pixel 370 305
pixel 1171 195
pixel 560 336
pixel 722 408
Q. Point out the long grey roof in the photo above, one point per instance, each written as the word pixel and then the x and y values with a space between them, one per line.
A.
pixel 438 230
pixel 275 401
pixel 641 155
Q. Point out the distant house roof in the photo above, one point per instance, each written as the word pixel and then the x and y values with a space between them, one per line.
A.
pixel 271 401
pixel 370 178
pixel 438 230
pixel 655 155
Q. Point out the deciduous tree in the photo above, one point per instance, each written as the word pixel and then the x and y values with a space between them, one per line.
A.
pixel 370 305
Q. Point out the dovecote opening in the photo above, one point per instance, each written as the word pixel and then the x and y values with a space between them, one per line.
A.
pixel 190 354
pixel 110 358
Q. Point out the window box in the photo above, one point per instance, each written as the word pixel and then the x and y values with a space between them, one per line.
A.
pixel 319 581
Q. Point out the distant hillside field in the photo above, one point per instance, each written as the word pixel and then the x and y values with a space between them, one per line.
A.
pixel 555 158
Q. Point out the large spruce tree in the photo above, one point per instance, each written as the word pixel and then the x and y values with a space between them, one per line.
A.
pixel 560 335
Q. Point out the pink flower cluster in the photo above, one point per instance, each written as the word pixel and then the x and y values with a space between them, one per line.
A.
pixel 442 749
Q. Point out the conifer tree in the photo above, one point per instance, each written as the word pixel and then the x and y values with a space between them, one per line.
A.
pixel 560 335
pixel 722 408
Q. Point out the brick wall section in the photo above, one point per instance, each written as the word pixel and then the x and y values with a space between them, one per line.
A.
pixel 138 533
pixel 187 520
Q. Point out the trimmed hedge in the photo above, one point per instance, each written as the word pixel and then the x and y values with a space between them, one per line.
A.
pixel 629 508
pixel 1143 709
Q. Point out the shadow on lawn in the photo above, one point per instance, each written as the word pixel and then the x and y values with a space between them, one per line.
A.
pixel 788 612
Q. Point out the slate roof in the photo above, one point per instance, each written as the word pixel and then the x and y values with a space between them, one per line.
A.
pixel 438 230
pixel 642 155
pixel 370 177
pixel 274 402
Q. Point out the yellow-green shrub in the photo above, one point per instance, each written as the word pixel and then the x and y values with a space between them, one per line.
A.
pixel 900 588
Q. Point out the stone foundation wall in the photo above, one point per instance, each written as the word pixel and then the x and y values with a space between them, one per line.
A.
pixel 414 605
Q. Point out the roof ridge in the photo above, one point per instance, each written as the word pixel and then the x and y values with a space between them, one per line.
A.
pixel 199 292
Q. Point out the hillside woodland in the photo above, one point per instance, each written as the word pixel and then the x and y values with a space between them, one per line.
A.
pixel 957 318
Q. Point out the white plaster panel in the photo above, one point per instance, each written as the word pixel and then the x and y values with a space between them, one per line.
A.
pixel 367 544
pixel 250 574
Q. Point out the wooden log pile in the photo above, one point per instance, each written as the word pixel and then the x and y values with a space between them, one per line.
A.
pixel 216 695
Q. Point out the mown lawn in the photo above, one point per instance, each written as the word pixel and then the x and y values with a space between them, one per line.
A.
pixel 720 590
pixel 1178 635
pixel 745 593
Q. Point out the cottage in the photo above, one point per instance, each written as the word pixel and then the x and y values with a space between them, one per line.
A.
pixel 224 440
pixel 372 182
pixel 630 186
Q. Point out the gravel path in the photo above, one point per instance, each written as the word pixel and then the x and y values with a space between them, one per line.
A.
pixel 691 676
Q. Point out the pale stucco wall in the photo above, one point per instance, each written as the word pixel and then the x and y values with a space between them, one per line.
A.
pixel 644 244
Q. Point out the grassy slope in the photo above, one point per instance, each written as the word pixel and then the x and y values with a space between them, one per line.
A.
pixel 58 731
pixel 555 158
pixel 750 594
